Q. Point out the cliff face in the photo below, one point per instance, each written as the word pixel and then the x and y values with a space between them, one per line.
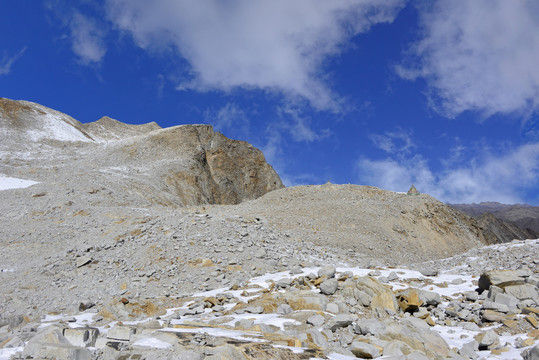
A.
pixel 139 164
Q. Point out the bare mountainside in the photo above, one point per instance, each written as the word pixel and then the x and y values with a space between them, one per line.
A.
pixel 522 215
pixel 130 164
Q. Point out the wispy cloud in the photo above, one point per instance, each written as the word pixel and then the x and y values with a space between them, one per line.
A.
pixel 86 39
pixel 394 142
pixel 7 61
pixel 478 55
pixel 230 119
pixel 489 176
pixel 277 46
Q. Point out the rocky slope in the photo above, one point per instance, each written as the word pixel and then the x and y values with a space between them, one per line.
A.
pixel 526 217
pixel 124 249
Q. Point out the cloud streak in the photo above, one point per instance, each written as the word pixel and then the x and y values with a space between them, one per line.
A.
pixel 277 46
pixel 7 61
pixel 478 55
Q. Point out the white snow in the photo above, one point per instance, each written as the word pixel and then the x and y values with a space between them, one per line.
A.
pixel 7 183
pixel 5 354
pixel 56 127
pixel 153 343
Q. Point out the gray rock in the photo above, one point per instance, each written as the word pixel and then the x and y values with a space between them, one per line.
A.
pixel 503 278
pixel 508 300
pixel 316 320
pixel 487 340
pixel 392 276
pixel 83 260
pixel 82 337
pixel 329 286
pixel 523 292
pixel 368 326
pixel 318 338
pixel 327 271
pixel 340 321
pixel 429 272
pixel 120 332
pixel 254 310
pixel 284 309
pixel 332 308
pixel 531 354
pixel 471 295
pixel 283 283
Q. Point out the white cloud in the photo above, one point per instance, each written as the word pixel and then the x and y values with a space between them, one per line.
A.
pixel 277 46
pixel 86 39
pixel 7 61
pixel 478 55
pixel 394 142
pixel 489 177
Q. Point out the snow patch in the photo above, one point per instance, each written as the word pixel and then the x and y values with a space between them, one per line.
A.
pixel 7 183
pixel 153 343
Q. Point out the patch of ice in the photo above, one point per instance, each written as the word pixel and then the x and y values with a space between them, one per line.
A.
pixel 6 270
pixel 7 183
pixel 153 343
pixel 57 127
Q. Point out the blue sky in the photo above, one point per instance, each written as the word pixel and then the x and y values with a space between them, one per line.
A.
pixel 442 94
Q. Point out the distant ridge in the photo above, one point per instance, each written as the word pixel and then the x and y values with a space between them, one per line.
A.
pixel 525 217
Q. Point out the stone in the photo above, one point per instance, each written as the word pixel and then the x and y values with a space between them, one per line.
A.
pixel 329 286
pixel 523 292
pixel 429 272
pixel 409 301
pixel 487 340
pixel 82 337
pixel 368 326
pixel 327 272
pixel 493 316
pixel 83 260
pixel 506 299
pixel 340 321
pixel 317 338
pixel 254 309
pixel 283 283
pixel 316 320
pixel 503 278
pixel 490 305
pixel 364 350
pixel 86 304
pixel 471 295
pixel 50 343
pixel 120 332
pixel 382 296
pixel 392 276
pixel 284 309
pixel 332 308
pixel 533 321
pixel 531 354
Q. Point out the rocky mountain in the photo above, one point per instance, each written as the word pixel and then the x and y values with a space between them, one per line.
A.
pixel 138 242
pixel 139 164
pixel 517 221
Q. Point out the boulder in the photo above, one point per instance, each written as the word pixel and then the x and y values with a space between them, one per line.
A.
pixel 523 292
pixel 503 278
pixel 364 350
pixel 327 272
pixel 340 321
pixel 382 296
pixel 329 286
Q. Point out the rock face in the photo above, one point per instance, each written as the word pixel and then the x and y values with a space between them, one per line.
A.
pixel 181 165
